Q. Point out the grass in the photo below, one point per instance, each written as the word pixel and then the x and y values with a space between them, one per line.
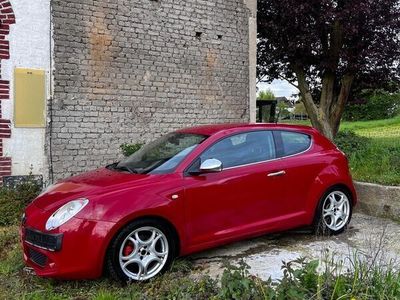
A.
pixel 378 161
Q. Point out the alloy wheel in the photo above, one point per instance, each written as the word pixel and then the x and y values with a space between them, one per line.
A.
pixel 336 210
pixel 143 253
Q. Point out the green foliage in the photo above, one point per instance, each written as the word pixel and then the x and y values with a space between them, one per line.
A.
pixel 10 254
pixel 378 161
pixel 129 149
pixel 378 105
pixel 349 142
pixel 13 201
pixel 283 110
pixel 237 284
pixel 266 95
pixel 373 152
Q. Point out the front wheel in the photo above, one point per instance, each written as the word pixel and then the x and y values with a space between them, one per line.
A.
pixel 334 212
pixel 140 251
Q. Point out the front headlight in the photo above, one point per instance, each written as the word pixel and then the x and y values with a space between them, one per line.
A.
pixel 65 213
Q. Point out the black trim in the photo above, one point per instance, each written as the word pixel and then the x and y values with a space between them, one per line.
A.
pixel 38 258
pixel 42 240
pixel 279 150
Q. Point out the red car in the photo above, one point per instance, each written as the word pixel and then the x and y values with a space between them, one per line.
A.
pixel 190 190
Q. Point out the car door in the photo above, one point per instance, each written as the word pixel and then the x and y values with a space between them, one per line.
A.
pixel 301 166
pixel 241 199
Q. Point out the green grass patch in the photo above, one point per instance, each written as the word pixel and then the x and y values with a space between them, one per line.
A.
pixel 378 161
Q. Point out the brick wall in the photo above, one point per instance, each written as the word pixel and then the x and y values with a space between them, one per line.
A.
pixel 128 71
pixel 6 19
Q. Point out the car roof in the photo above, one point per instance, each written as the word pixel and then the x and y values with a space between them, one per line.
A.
pixel 216 128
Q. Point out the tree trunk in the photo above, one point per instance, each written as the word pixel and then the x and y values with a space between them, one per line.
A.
pixel 325 117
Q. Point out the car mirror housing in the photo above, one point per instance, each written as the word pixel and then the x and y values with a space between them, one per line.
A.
pixel 211 165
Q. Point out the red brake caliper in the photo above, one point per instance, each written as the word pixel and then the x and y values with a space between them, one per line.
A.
pixel 128 249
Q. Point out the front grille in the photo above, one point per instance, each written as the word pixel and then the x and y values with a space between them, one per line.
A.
pixel 37 257
pixel 46 241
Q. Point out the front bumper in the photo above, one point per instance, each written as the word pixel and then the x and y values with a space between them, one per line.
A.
pixel 73 251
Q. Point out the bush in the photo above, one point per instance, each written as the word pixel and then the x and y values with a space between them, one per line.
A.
pixel 129 149
pixel 373 106
pixel 14 200
pixel 349 142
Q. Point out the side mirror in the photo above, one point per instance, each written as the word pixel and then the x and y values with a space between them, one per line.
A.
pixel 211 165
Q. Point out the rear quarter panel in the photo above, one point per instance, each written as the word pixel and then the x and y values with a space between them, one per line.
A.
pixel 333 171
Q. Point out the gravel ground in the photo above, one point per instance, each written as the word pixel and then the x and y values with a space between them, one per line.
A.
pixel 369 238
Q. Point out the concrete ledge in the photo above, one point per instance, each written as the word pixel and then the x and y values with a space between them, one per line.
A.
pixel 378 200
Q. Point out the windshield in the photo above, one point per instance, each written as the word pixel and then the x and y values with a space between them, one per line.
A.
pixel 163 155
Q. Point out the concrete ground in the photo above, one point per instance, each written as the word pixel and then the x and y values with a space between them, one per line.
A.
pixel 369 238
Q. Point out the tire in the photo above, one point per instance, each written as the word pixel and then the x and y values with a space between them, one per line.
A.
pixel 140 251
pixel 334 212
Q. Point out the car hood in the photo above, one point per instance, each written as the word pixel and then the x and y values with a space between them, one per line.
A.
pixel 88 184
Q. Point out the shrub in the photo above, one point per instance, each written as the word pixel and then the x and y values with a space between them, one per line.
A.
pixel 373 106
pixel 349 142
pixel 14 200
pixel 129 149
pixel 236 283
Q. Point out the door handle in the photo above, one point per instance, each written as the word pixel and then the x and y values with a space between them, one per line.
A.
pixel 280 173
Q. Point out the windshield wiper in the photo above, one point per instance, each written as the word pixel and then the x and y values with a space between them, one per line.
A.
pixel 116 166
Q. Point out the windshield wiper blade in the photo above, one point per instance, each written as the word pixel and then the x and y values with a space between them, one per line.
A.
pixel 112 166
pixel 125 168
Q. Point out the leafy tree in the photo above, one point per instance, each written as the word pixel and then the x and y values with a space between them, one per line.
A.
pixel 283 110
pixel 323 47
pixel 373 105
pixel 266 95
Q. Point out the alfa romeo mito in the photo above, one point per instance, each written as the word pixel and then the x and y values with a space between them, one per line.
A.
pixel 187 191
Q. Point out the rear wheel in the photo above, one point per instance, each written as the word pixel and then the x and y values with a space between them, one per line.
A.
pixel 142 250
pixel 334 212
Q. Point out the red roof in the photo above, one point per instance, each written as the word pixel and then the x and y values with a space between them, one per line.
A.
pixel 214 128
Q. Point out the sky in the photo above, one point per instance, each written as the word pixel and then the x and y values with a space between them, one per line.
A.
pixel 280 88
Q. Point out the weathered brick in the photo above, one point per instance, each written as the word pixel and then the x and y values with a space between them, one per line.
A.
pixel 128 71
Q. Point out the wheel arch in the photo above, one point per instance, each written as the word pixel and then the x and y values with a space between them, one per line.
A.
pixel 120 226
pixel 339 185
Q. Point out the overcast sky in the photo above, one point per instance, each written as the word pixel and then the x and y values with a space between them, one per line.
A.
pixel 280 88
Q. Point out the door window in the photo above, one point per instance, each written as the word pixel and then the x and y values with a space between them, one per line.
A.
pixel 294 142
pixel 242 149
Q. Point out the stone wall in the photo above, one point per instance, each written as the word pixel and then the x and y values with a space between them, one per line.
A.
pixel 378 200
pixel 128 71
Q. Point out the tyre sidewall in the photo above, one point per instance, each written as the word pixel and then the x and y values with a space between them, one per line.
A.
pixel 112 260
pixel 319 226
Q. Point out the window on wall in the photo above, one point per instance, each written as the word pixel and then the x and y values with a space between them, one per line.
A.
pixel 29 98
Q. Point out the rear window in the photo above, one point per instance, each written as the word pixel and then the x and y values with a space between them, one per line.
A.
pixel 293 143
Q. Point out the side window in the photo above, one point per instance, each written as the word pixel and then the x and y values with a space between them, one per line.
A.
pixel 242 149
pixel 294 142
